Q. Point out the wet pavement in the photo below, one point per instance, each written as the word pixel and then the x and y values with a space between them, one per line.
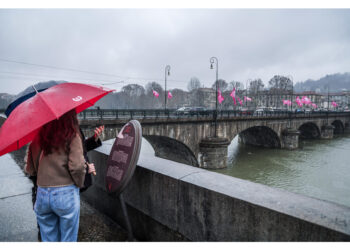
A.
pixel 17 218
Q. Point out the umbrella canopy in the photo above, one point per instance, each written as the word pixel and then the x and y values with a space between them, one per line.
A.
pixel 28 93
pixel 26 120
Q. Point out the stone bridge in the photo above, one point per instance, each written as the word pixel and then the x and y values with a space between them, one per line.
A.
pixel 190 140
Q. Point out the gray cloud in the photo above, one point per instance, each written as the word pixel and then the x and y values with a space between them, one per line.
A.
pixel 137 44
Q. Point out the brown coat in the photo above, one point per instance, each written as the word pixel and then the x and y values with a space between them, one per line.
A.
pixel 57 168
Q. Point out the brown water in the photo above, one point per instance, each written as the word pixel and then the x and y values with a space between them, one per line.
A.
pixel 319 168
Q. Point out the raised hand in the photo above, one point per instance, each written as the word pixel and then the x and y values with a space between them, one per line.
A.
pixel 98 131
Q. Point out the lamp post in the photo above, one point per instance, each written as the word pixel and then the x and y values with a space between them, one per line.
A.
pixel 212 60
pixel 167 72
pixel 246 91
pixel 327 102
pixel 292 93
pixel 291 104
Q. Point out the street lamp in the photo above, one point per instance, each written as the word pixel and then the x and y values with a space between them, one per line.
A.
pixel 291 79
pixel 212 60
pixel 246 91
pixel 167 72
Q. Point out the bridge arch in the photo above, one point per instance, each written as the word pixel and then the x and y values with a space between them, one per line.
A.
pixel 309 130
pixel 338 127
pixel 171 149
pixel 262 136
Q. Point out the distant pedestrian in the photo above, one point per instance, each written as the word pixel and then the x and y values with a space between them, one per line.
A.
pixel 56 157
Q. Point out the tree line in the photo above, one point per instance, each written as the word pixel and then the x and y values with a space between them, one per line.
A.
pixel 135 96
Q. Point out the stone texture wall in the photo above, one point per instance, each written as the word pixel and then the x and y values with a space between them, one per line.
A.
pixel 168 201
pixel 186 134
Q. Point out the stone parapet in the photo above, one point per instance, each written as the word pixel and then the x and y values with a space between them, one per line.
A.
pixel 169 201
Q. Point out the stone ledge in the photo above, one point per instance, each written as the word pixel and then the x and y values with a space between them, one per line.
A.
pixel 199 205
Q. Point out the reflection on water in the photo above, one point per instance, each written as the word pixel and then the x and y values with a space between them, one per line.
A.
pixel 319 168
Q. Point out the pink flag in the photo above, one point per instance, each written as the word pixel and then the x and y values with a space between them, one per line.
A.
pixel 306 100
pixel 246 98
pixel 334 104
pixel 287 102
pixel 170 95
pixel 233 95
pixel 314 105
pixel 155 93
pixel 298 101
pixel 239 100
pixel 220 97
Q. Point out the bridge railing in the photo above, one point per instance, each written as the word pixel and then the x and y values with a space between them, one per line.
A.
pixel 105 114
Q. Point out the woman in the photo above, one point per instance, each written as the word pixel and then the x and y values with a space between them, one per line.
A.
pixel 56 157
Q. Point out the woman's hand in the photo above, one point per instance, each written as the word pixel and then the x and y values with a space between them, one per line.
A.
pixel 91 168
pixel 98 131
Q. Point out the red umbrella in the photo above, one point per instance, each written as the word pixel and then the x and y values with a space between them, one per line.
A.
pixel 26 120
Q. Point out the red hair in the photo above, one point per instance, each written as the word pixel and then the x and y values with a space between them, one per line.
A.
pixel 59 133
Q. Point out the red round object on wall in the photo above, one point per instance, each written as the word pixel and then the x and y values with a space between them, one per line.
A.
pixel 123 157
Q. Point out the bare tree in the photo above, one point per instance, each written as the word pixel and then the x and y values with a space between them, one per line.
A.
pixel 133 90
pixel 153 86
pixel 194 83
pixel 235 84
pixel 280 84
pixel 222 85
pixel 255 86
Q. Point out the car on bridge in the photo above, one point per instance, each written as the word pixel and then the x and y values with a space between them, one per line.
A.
pixel 259 111
pixel 190 110
pixel 183 110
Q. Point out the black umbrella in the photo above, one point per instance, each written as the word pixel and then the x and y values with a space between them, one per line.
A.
pixel 28 93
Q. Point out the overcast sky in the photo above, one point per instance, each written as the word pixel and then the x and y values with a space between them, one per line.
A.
pixel 135 45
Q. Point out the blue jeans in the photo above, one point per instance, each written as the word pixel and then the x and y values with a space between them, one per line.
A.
pixel 57 211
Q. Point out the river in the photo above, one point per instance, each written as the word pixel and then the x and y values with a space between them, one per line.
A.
pixel 319 168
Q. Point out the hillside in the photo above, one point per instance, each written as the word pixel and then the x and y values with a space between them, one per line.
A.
pixel 336 82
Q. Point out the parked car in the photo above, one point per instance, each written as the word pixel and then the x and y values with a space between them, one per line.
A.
pixel 259 111
pixel 183 110
pixel 198 109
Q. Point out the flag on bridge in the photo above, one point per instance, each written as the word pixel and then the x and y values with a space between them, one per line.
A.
pixel 220 97
pixel 287 102
pixel 246 98
pixel 233 95
pixel 239 100
pixel 170 95
pixel 155 93
pixel 298 101
pixel 305 100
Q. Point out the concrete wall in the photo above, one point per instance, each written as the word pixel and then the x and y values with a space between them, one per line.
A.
pixel 168 201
